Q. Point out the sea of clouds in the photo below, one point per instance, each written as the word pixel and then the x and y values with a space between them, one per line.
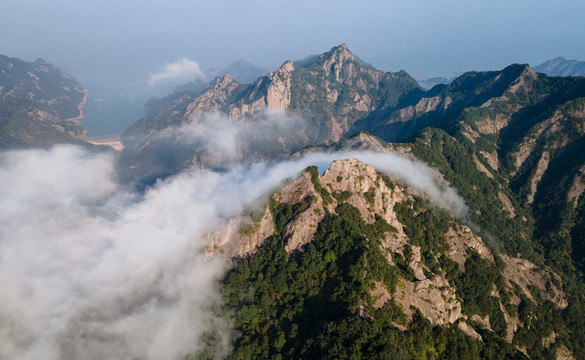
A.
pixel 91 269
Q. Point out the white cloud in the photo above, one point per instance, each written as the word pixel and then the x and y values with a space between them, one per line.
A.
pixel 180 71
pixel 89 270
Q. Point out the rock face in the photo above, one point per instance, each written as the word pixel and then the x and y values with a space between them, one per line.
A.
pixel 524 273
pixel 427 290
pixel 40 104
pixel 272 91
pixel 219 92
pixel 435 299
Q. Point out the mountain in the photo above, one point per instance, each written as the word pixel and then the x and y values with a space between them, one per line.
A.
pixel 562 67
pixel 523 130
pixel 241 71
pixel 353 263
pixel 40 104
pixel 510 141
pixel 515 134
pixel 328 94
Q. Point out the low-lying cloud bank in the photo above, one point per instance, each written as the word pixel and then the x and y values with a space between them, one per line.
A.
pixel 89 270
pixel 180 71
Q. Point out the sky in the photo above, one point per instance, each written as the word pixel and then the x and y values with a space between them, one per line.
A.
pixel 425 37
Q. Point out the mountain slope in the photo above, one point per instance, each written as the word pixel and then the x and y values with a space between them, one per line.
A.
pixel 522 134
pixel 39 104
pixel 353 263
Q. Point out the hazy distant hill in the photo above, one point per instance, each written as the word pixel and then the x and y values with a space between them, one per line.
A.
pixel 562 67
pixel 40 104
pixel 429 83
pixel 241 71
pixel 244 72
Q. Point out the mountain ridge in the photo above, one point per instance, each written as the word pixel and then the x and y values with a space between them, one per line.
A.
pixel 560 66
pixel 330 92
pixel 40 104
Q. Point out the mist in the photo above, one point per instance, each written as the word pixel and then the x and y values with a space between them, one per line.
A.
pixel 92 270
pixel 181 71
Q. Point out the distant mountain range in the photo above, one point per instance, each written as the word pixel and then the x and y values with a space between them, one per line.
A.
pixel 562 67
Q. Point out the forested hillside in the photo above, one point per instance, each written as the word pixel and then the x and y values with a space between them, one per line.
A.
pixel 356 264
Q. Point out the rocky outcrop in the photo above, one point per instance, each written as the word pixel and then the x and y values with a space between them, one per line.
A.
pixel 488 125
pixel 506 204
pixel 492 159
pixel 425 105
pixel 334 61
pixel 577 187
pixel 272 91
pixel 357 178
pixel 435 298
pixel 525 81
pixel 538 173
pixel 460 238
pixel 240 236
pixel 482 168
pixel 524 273
pixel 563 353
pixel 214 98
pixel 301 229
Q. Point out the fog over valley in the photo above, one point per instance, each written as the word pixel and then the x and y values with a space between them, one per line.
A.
pixel 93 270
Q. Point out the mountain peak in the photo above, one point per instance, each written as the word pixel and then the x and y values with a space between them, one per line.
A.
pixel 221 82
pixel 339 54
pixel 287 66
pixel 560 66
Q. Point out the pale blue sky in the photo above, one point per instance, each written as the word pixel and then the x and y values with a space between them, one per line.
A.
pixel 425 37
